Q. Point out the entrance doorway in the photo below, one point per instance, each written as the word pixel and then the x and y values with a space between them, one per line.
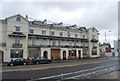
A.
pixel 79 54
pixel 45 54
pixel 64 55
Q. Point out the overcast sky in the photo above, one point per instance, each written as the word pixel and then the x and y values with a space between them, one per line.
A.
pixel 101 15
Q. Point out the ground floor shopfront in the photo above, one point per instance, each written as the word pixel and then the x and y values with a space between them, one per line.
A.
pixel 56 53
pixel 47 52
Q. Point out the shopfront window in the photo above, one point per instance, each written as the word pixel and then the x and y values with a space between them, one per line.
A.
pixel 16 53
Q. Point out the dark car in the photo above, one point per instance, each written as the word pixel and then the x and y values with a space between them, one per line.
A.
pixel 40 60
pixel 17 61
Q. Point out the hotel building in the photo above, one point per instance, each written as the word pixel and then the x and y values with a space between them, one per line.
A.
pixel 22 38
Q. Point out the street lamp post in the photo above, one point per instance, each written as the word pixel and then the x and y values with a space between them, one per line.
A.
pixel 105 44
pixel 105 36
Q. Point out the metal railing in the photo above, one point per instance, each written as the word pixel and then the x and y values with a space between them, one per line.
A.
pixel 16 45
pixel 81 73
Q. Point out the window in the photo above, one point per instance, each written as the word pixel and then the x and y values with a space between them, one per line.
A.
pixel 52 32
pixel 72 52
pixel 33 41
pixel 75 43
pixel 16 53
pixel 17 40
pixel 83 44
pixel 31 31
pixel 61 34
pixel 18 19
pixel 93 44
pixel 34 53
pixel 43 42
pixel 17 28
pixel 43 32
pixel 60 42
pixel 93 36
pixel 54 42
pixel 75 35
pixel 70 43
pixel 68 34
pixel 83 36
pixel 92 30
pixel 85 52
pixel 94 52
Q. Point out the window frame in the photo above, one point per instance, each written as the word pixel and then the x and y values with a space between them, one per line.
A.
pixel 18 18
pixel 69 34
pixel 31 30
pixel 93 30
pixel 43 32
pixel 16 29
pixel 17 40
pixel 83 36
pixel 61 33
pixel 76 35
pixel 52 33
pixel 93 36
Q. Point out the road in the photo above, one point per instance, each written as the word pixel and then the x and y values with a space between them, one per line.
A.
pixel 44 70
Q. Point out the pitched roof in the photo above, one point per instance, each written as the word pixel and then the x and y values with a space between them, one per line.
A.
pixel 93 28
pixel 17 15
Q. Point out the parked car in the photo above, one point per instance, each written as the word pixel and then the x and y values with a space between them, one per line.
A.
pixel 17 61
pixel 40 60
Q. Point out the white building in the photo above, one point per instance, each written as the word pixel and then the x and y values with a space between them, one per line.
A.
pixel 24 38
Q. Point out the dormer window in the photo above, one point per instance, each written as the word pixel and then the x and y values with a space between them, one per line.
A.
pixel 18 19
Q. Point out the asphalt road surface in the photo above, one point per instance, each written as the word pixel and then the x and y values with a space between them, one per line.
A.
pixel 45 70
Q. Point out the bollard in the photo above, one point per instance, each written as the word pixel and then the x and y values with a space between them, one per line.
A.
pixel 62 76
pixel 97 74
pixel 108 71
pixel 32 79
pixel 82 75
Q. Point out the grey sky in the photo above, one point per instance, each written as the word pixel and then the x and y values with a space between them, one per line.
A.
pixel 101 15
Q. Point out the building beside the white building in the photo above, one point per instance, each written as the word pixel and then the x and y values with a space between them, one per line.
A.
pixel 22 38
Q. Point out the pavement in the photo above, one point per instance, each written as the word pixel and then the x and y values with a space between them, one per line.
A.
pixel 57 67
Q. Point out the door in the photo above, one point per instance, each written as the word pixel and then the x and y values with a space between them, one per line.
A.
pixel 55 54
pixel 64 55
pixel 79 54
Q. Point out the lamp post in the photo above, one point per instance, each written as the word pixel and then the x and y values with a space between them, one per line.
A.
pixel 105 44
pixel 105 36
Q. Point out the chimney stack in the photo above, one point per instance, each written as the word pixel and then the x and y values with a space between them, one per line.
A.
pixel 26 17
pixel 45 22
pixel 74 25
pixel 61 24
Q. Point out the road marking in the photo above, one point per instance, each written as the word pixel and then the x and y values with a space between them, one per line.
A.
pixel 48 67
pixel 39 68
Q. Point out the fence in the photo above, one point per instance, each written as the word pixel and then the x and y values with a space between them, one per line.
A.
pixel 81 74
